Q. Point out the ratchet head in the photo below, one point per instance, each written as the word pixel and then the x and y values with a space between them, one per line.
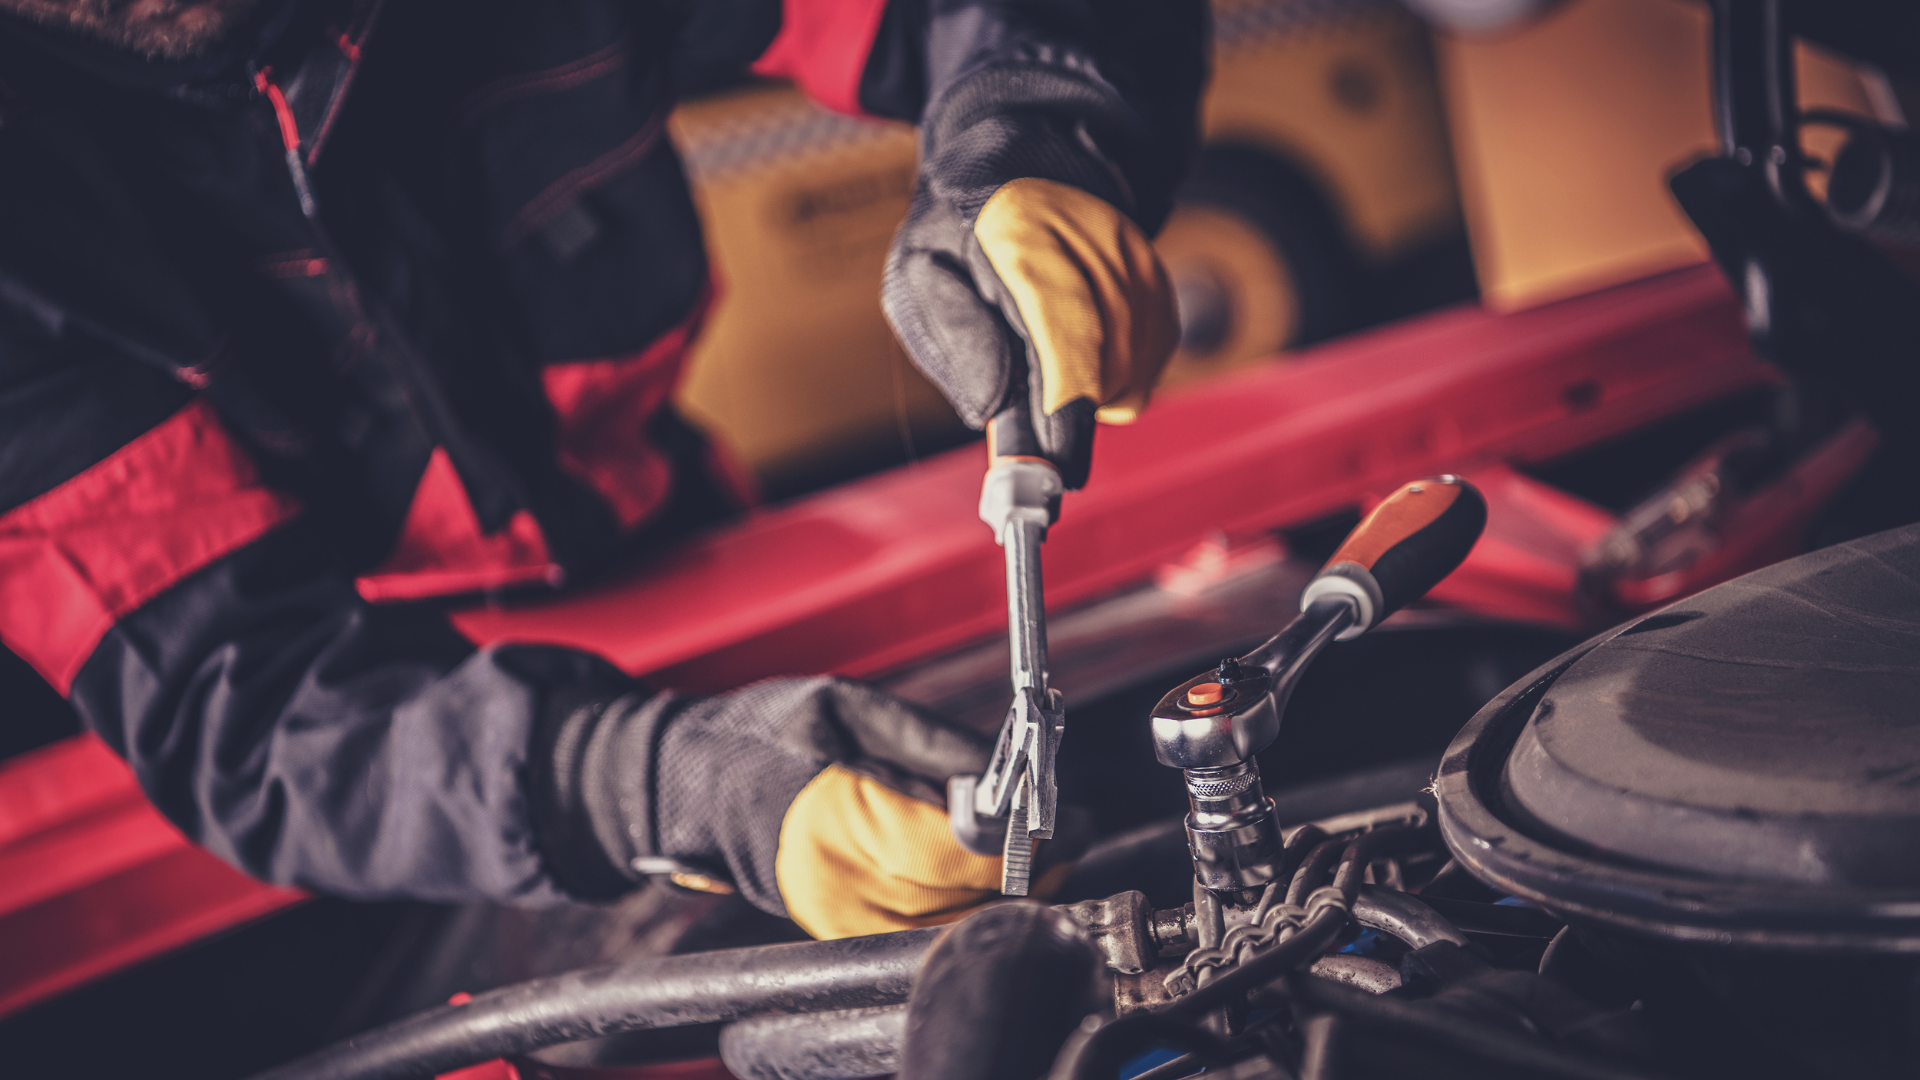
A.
pixel 1412 540
pixel 1227 715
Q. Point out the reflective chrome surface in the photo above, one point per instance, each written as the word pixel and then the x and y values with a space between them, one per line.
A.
pixel 1249 719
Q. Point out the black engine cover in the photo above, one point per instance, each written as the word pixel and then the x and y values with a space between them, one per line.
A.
pixel 1744 765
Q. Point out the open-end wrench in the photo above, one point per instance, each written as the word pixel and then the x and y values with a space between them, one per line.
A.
pixel 1019 499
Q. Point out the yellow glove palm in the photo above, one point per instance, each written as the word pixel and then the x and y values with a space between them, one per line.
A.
pixel 857 857
pixel 1097 306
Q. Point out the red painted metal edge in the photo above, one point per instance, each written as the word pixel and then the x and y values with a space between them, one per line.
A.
pixel 896 567
pixel 109 885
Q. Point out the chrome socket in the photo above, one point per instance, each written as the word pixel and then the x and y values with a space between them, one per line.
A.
pixel 1233 833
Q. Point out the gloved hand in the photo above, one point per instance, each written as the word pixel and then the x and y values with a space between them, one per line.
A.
pixel 1017 269
pixel 820 799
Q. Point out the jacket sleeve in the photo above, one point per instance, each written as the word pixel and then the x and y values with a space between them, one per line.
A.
pixel 200 627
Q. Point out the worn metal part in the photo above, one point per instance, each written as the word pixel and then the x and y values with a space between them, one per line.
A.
pixel 1209 922
pixel 697 988
pixel 1363 972
pixel 1146 990
pixel 1121 928
pixel 1170 928
pixel 1248 937
pixel 1257 948
pixel 849 1044
pixel 1405 917
pixel 1401 813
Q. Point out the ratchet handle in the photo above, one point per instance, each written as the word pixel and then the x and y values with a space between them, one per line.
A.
pixel 1411 541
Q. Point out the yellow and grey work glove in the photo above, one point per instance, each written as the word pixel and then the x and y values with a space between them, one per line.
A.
pixel 1024 264
pixel 819 799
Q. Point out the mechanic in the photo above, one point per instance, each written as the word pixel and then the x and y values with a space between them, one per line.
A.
pixel 313 308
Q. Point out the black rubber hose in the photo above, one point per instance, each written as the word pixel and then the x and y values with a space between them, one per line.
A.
pixel 1298 847
pixel 1000 993
pixel 1361 853
pixel 1307 878
pixel 697 988
pixel 815 1046
pixel 1407 1023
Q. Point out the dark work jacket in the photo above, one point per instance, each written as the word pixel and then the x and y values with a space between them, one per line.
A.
pixel 387 302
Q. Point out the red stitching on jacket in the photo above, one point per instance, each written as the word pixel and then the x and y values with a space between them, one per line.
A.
pixel 292 264
pixel 289 130
pixel 562 192
pixel 573 73
pixel 200 374
pixel 350 47
pixel 75 560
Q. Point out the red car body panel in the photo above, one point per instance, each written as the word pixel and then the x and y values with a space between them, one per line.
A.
pixel 897 566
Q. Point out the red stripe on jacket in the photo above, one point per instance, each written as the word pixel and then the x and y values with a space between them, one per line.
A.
pixel 603 407
pixel 77 558
pixel 823 47
pixel 442 552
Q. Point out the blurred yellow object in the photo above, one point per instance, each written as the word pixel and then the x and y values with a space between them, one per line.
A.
pixel 1566 130
pixel 1345 96
pixel 1345 92
pixel 796 369
pixel 857 857
pixel 797 372
pixel 1217 253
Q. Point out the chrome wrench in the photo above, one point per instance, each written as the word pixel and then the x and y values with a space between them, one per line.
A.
pixel 1019 500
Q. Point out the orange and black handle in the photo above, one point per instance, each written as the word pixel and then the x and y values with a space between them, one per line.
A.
pixel 1418 536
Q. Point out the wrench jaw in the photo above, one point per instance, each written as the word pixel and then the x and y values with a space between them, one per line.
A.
pixel 1014 804
pixel 993 791
pixel 1048 725
pixel 1036 798
pixel 1016 856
